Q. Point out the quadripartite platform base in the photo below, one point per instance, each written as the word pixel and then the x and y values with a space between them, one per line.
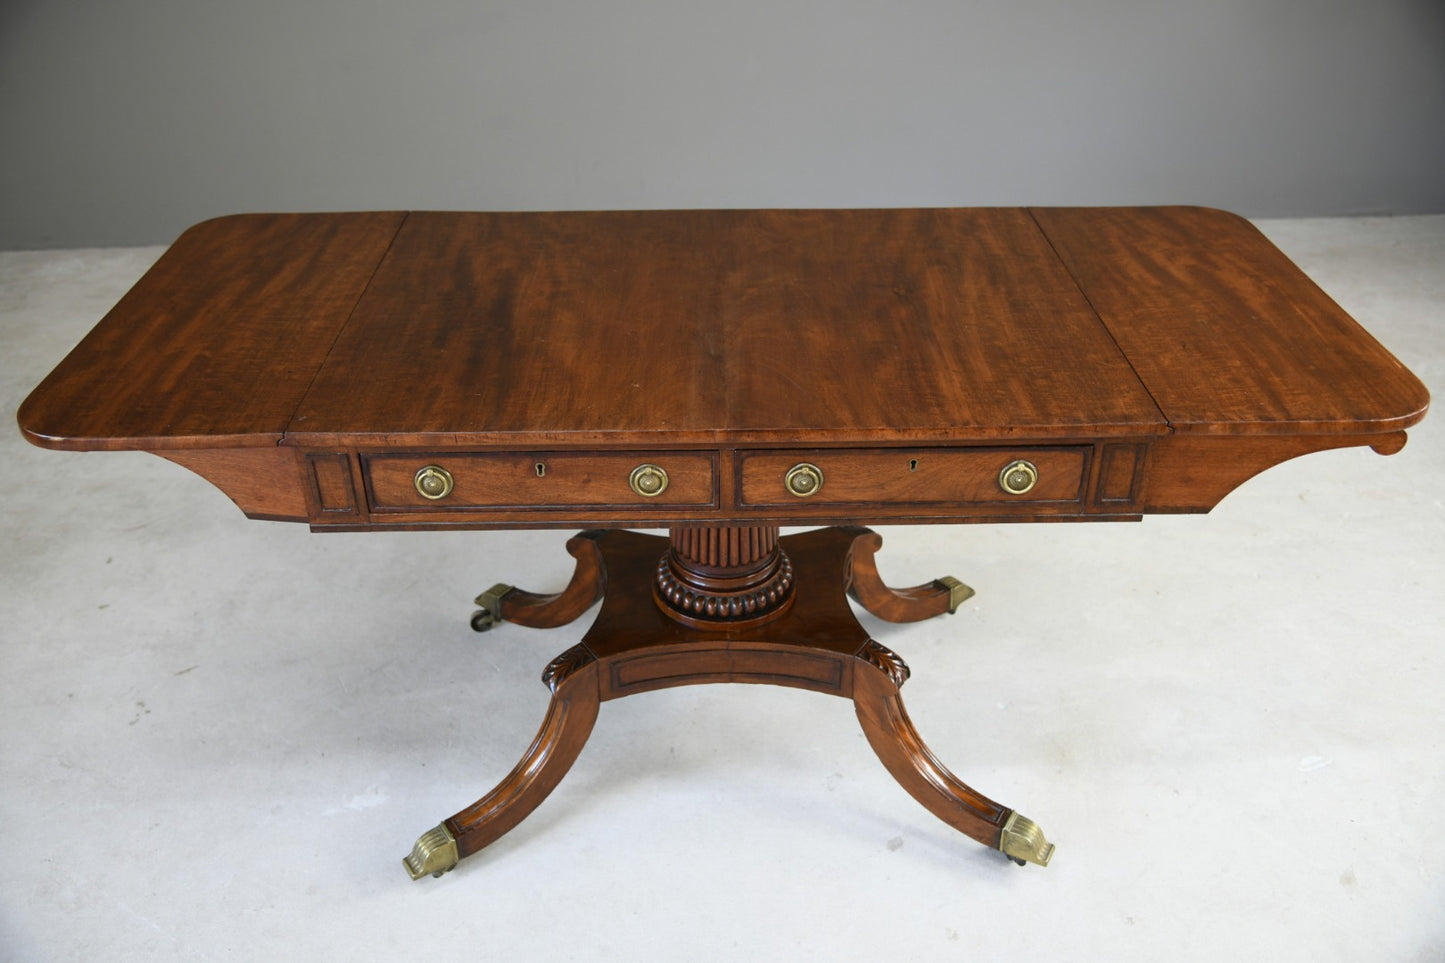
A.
pixel 724 605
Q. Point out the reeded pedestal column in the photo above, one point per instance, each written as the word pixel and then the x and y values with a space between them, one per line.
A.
pixel 725 604
pixel 724 575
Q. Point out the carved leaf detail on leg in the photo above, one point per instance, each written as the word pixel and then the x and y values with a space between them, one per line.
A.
pixel 562 667
pixel 886 659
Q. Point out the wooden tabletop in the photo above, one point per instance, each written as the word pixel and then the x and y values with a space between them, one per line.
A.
pixel 722 331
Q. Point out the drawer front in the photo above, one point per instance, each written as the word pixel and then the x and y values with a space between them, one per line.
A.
pixel 539 480
pixel 912 476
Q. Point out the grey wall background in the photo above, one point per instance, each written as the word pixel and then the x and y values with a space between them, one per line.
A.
pixel 123 121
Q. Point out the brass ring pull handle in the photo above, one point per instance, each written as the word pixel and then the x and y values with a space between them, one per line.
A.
pixel 649 481
pixel 803 480
pixel 433 482
pixel 1018 477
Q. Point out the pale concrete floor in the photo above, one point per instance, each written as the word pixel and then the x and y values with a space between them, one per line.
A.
pixel 220 736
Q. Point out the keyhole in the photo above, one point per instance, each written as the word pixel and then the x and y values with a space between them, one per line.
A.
pixel 913 464
pixel 541 469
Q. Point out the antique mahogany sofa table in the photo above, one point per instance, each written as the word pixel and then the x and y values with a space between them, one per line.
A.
pixel 721 374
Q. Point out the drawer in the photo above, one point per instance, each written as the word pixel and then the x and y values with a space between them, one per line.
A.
pixel 472 482
pixel 902 477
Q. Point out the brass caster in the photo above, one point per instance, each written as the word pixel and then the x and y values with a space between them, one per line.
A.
pixel 1023 841
pixel 958 593
pixel 490 612
pixel 434 853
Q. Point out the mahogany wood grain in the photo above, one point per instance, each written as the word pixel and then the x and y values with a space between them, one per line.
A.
pixel 530 331
pixel 571 713
pixel 818 619
pixel 914 476
pixel 723 575
pixel 1192 473
pixel 371 339
pixel 265 483
pixel 817 645
pixel 903 753
pixel 890 604
pixel 216 345
pixel 1146 360
pixel 685 327
pixel 541 479
pixel 913 324
pixel 1226 333
pixel 582 592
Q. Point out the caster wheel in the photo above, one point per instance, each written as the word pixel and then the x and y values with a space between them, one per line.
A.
pixel 482 620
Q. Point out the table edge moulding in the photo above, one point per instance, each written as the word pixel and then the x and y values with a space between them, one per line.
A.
pixel 723 374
